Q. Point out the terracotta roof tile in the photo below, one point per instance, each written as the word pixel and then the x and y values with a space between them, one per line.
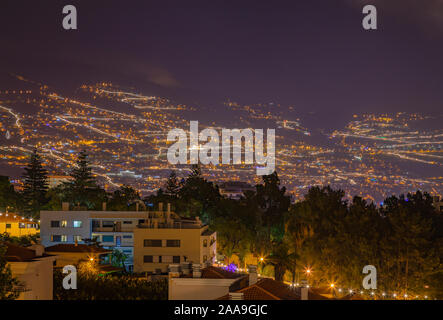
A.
pixel 76 248
pixel 269 289
pixel 218 273
pixel 19 254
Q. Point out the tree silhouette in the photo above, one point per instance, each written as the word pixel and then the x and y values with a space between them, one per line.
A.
pixel 35 185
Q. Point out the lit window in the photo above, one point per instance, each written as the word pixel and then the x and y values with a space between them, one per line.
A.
pixel 205 243
pixel 77 224
pixel 64 224
pixel 77 238
pixel 108 238
pixel 64 238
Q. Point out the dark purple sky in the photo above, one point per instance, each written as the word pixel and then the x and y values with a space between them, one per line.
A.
pixel 308 53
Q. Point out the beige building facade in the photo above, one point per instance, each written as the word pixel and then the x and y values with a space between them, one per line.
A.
pixel 34 269
pixel 164 238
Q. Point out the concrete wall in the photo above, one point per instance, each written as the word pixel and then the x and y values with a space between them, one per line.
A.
pixel 37 276
pixel 198 289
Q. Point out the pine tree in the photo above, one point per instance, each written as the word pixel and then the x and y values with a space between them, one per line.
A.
pixel 172 185
pixel 35 185
pixel 79 190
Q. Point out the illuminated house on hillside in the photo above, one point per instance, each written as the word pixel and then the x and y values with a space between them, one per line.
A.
pixel 438 203
pixel 17 226
pixel 235 189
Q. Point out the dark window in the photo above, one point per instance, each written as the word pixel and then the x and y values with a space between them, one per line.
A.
pixel 108 224
pixel 55 224
pixel 173 243
pixel 127 222
pixel 152 243
pixel 176 259
pixel 8 226
pixel 159 259
pixel 56 238
pixel 127 237
pixel 148 259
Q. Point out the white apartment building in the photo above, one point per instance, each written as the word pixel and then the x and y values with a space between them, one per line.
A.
pixel 113 229
pixel 156 234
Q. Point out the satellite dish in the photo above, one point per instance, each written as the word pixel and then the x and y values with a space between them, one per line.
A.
pixel 8 135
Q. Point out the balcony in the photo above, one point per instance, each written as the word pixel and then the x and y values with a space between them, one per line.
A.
pixel 111 229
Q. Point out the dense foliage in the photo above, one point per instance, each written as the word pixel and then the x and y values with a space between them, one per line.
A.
pixel 332 237
pixel 110 287
pixel 8 283
pixel 324 233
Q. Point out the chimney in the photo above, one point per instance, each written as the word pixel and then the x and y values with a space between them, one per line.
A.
pixel 38 249
pixel 196 270
pixel 160 206
pixel 304 290
pixel 169 208
pixel 65 206
pixel 236 296
pixel 253 276
pixel 104 206
pixel 174 271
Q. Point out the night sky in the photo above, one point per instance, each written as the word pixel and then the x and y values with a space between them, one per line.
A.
pixel 310 54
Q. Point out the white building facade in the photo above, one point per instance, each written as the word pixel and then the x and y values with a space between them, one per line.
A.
pixel 113 229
